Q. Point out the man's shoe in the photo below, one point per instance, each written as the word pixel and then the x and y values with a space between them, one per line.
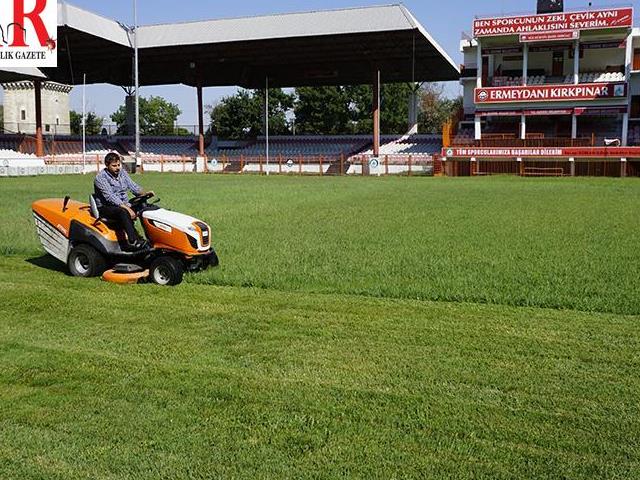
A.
pixel 136 245
pixel 141 244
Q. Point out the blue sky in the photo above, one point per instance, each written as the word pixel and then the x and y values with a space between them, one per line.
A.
pixel 445 20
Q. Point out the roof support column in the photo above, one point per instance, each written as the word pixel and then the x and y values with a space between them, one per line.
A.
pixel 525 64
pixel 413 111
pixel 628 67
pixel 200 121
pixel 523 127
pixel 38 94
pixel 479 64
pixel 376 112
pixel 576 62
pixel 625 129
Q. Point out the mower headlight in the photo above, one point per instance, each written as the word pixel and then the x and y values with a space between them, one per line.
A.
pixel 162 226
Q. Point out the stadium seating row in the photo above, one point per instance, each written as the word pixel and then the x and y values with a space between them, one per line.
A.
pixel 593 77
pixel 6 154
pixel 414 144
pixel 172 147
pixel 307 146
pixel 517 81
pixel 597 77
pixel 337 146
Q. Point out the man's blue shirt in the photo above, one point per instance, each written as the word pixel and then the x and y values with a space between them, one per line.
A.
pixel 112 191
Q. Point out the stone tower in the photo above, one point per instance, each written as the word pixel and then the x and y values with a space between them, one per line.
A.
pixel 20 108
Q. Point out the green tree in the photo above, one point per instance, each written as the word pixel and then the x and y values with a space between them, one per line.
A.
pixel 394 105
pixel 435 108
pixel 157 117
pixel 93 126
pixel 242 115
pixel 322 111
pixel 394 108
pixel 348 110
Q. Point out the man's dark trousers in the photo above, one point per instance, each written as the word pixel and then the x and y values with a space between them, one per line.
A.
pixel 122 218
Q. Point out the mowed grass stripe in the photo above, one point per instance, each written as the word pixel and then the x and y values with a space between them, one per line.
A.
pixel 554 243
pixel 102 381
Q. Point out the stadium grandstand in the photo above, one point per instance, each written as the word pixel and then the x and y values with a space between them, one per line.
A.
pixel 370 45
pixel 560 99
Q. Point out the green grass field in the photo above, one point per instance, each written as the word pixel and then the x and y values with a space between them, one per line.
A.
pixel 357 327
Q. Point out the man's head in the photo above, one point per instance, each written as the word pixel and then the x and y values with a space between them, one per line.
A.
pixel 112 162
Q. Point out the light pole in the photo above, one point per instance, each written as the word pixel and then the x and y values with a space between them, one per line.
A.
pixel 84 124
pixel 137 83
pixel 266 119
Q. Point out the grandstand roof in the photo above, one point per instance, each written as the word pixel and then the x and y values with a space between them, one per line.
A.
pixel 334 47
pixel 13 74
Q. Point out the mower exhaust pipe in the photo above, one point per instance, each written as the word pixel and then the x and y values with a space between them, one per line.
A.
pixel 65 203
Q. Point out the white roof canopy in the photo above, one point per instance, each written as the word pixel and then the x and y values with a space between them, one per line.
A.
pixel 314 48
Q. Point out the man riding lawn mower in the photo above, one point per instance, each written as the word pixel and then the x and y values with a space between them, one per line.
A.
pixel 89 237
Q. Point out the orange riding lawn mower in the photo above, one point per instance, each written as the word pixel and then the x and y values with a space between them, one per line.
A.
pixel 90 246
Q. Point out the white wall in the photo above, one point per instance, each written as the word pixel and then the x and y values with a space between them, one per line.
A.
pixel 598 60
pixel 468 97
pixel 470 57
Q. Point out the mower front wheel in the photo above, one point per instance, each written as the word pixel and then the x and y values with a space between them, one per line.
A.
pixel 166 271
pixel 85 261
pixel 213 259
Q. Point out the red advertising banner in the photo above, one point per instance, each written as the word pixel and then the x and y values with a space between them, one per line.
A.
pixel 599 112
pixel 550 93
pixel 585 20
pixel 557 111
pixel 528 113
pixel 534 152
pixel 499 113
pixel 548 36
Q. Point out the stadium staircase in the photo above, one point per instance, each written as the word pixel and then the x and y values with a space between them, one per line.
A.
pixel 115 144
pixel 233 167
pixel 338 167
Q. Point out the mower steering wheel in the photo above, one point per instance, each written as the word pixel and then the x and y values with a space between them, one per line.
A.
pixel 139 199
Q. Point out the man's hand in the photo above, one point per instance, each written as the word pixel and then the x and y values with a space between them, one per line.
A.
pixel 150 193
pixel 132 214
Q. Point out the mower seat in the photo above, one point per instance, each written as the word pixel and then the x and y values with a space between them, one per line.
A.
pixel 96 214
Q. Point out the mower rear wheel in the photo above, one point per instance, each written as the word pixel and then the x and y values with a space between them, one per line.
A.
pixel 166 271
pixel 85 261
